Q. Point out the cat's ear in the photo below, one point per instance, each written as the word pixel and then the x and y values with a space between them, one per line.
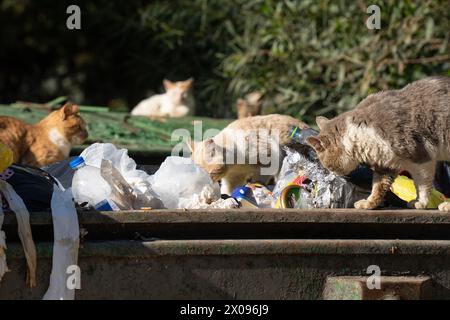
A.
pixel 210 147
pixel 69 109
pixel 316 143
pixel 188 83
pixel 254 97
pixel 168 84
pixel 321 122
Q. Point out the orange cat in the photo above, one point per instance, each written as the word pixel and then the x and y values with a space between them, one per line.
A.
pixel 48 141
pixel 239 152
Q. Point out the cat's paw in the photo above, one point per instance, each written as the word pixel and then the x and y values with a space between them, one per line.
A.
pixel 444 206
pixel 365 204
pixel 415 204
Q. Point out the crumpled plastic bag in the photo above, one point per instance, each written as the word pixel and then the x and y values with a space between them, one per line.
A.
pixel 66 242
pixel 328 190
pixel 205 200
pixel 291 168
pixel 6 158
pixel 137 179
pixel 17 205
pixel 180 183
pixel 122 194
pixel 33 185
pixel 3 264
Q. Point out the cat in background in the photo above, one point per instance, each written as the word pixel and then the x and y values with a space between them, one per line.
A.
pixel 46 142
pixel 391 131
pixel 250 105
pixel 176 102
pixel 245 138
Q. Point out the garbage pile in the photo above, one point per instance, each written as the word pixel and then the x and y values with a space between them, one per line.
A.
pixel 106 178
pixel 304 183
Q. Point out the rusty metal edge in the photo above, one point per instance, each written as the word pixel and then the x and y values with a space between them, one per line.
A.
pixel 251 216
pixel 159 248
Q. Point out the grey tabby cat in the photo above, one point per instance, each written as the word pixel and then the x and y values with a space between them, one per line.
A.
pixel 406 129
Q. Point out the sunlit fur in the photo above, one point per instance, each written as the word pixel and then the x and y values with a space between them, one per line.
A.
pixel 406 129
pixel 211 153
pixel 48 141
pixel 176 102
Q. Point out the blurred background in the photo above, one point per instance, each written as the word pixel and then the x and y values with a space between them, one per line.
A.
pixel 308 57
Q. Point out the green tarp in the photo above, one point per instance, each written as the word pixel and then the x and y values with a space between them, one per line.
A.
pixel 138 134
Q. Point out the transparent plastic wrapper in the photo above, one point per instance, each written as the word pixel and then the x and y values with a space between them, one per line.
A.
pixel 262 195
pixel 305 200
pixel 290 169
pixel 327 189
pixel 122 193
pixel 180 183
pixel 126 166
pixel 65 247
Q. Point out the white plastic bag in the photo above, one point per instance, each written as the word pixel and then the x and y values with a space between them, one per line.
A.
pixel 3 265
pixel 180 183
pixel 137 179
pixel 207 199
pixel 17 205
pixel 65 247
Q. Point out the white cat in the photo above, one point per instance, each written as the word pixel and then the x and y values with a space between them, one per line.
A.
pixel 176 102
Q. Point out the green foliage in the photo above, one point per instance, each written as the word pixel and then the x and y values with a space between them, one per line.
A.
pixel 318 58
pixel 309 57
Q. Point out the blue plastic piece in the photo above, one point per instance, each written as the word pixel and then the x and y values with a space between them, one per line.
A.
pixel 75 163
